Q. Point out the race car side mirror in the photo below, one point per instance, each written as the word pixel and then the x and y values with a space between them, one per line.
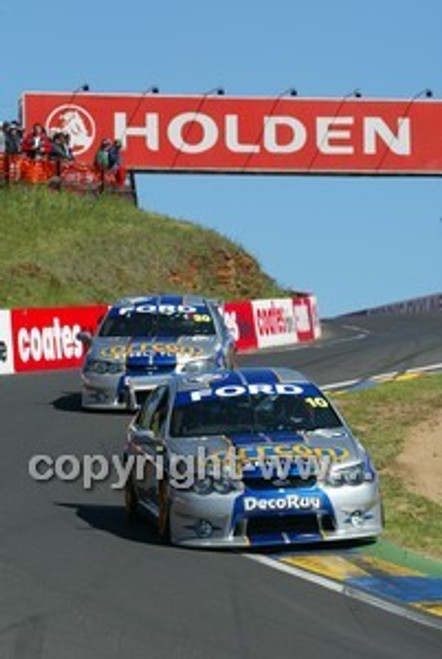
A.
pixel 143 436
pixel 85 337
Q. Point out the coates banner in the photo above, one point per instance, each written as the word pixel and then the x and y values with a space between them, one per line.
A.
pixel 240 320
pixel 46 338
pixel 6 358
pixel 249 134
pixel 274 322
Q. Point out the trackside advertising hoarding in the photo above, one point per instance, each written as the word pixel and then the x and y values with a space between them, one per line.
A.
pixel 46 339
pixel 306 318
pixel 274 322
pixel 6 349
pixel 248 134
pixel 241 323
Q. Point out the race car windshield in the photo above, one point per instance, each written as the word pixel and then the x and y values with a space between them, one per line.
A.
pixel 252 414
pixel 135 324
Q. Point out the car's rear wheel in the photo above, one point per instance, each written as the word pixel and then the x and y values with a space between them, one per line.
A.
pixel 164 511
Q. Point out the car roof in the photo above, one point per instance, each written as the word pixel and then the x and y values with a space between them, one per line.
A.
pixel 162 299
pixel 240 377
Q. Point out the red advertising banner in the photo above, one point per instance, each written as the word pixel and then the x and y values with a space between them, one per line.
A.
pixel 245 134
pixel 46 338
pixel 240 321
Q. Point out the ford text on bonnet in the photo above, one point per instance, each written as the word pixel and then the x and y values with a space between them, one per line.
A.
pixel 143 341
pixel 250 456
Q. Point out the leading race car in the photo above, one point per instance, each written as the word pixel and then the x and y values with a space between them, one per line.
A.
pixel 253 456
pixel 142 341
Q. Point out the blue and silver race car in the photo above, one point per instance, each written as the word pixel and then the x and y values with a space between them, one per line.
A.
pixel 142 341
pixel 252 456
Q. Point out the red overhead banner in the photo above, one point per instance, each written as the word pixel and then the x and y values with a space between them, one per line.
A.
pixel 244 134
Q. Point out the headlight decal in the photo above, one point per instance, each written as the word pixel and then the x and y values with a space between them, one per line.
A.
pixel 102 367
pixel 355 474
pixel 197 366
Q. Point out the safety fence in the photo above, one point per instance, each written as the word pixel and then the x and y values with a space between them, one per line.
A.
pixel 60 174
pixel 39 339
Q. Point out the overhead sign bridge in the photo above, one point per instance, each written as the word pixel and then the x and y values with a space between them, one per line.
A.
pixel 249 135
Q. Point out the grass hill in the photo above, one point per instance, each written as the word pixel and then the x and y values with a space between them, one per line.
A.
pixel 62 248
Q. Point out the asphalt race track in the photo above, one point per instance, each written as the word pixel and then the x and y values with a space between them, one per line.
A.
pixel 79 581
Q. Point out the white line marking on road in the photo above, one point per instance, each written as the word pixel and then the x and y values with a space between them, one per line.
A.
pixel 382 376
pixel 425 368
pixel 339 385
pixel 332 342
pixel 348 591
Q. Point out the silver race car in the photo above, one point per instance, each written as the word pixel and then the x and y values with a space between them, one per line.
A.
pixel 142 341
pixel 253 456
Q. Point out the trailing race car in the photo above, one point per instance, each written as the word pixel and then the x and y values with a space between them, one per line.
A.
pixel 253 456
pixel 142 341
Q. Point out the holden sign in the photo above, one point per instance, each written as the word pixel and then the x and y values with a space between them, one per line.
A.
pixel 248 134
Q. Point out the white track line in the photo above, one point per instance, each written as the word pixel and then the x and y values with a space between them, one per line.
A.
pixel 348 591
pixel 382 376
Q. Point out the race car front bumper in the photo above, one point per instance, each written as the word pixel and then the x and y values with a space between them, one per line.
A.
pixel 218 520
pixel 108 392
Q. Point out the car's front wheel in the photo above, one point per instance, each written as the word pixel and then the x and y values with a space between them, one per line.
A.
pixel 130 498
pixel 164 511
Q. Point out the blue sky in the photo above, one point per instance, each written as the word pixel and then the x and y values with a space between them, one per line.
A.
pixel 355 242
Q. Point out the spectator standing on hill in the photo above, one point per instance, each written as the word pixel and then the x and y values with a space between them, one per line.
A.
pixel 37 143
pixel 101 160
pixel 13 137
pixel 67 146
pixel 60 149
pixel 2 138
pixel 12 142
pixel 115 161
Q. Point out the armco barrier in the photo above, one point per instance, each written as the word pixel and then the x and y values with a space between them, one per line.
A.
pixel 38 339
pixel 416 305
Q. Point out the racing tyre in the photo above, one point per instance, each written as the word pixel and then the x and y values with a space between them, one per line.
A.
pixel 130 499
pixel 164 512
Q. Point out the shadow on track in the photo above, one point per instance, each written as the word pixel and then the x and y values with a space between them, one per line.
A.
pixel 337 547
pixel 70 401
pixel 113 520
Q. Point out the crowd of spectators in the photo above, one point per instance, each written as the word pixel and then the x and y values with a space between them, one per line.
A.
pixel 35 144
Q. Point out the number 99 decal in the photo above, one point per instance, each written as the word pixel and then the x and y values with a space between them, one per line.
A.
pixel 201 318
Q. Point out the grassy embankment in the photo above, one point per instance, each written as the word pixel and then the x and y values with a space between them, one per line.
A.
pixel 62 248
pixel 382 417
